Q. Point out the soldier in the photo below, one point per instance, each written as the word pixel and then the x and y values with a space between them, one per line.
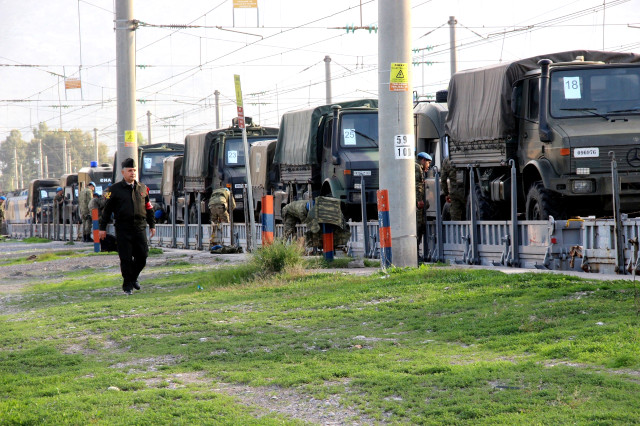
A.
pixel 221 204
pixel 98 202
pixel 58 203
pixel 85 213
pixel 129 201
pixel 453 190
pixel 292 214
pixel 422 166
pixel 2 200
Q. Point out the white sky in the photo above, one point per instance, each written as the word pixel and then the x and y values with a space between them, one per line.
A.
pixel 280 62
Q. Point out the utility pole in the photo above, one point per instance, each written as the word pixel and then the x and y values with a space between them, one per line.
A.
pixel 46 167
pixel 217 96
pixel 148 127
pixel 15 163
pixel 64 155
pixel 395 124
pixel 452 40
pixel 95 144
pixel 40 165
pixel 127 144
pixel 21 177
pixel 327 73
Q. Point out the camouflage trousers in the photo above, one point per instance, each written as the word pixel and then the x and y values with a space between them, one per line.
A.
pixel 219 214
pixel 87 227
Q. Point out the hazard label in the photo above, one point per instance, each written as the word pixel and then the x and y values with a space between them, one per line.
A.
pixel 130 138
pixel 399 77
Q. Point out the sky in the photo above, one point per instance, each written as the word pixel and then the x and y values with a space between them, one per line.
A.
pixel 278 50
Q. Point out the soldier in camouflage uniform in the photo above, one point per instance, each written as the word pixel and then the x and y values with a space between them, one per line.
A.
pixel 422 166
pixel 83 205
pixel 97 203
pixel 455 194
pixel 292 214
pixel 221 204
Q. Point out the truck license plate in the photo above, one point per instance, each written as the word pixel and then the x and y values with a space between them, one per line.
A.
pixel 586 152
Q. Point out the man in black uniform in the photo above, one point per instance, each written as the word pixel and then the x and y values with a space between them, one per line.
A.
pixel 128 200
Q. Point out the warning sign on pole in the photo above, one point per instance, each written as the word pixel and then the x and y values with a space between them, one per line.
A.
pixel 236 80
pixel 245 4
pixel 72 83
pixel 399 77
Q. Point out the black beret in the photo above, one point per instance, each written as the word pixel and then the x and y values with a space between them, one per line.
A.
pixel 128 163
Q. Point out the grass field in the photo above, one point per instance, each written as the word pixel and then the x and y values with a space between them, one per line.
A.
pixel 219 346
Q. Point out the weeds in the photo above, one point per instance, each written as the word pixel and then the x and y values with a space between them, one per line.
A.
pixel 275 257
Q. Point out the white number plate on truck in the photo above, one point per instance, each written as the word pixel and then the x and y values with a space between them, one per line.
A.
pixel 586 152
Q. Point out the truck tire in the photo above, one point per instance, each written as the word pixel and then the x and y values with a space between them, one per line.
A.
pixel 484 208
pixel 541 204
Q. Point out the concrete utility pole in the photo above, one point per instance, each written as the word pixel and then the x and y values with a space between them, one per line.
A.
pixel 64 155
pixel 15 163
pixel 127 144
pixel 327 72
pixel 95 145
pixel 395 124
pixel 148 127
pixel 46 167
pixel 40 165
pixel 21 177
pixel 217 96
pixel 452 40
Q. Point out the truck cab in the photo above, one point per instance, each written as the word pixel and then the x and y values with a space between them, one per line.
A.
pixel 100 175
pixel 329 150
pixel 39 202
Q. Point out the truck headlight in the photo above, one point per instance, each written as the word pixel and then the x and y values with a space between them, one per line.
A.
pixel 582 186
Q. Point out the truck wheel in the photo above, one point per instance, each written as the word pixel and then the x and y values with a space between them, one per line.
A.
pixel 484 208
pixel 540 203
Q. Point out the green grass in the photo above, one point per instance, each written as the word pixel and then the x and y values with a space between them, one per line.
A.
pixel 33 240
pixel 413 346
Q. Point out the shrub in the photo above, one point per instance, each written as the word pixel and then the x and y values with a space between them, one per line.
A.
pixel 276 257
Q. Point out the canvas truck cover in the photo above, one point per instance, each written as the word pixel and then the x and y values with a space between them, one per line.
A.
pixel 195 163
pixel 479 99
pixel 171 167
pixel 261 155
pixel 297 140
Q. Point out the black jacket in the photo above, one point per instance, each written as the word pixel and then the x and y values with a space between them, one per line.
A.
pixel 130 206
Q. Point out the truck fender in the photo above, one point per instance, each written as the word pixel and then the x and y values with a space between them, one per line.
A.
pixel 537 170
pixel 332 186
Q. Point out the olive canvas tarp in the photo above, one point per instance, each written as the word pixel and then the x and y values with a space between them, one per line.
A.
pixel 195 163
pixel 479 99
pixel 297 140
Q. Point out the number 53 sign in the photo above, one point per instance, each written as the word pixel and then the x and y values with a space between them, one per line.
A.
pixel 403 147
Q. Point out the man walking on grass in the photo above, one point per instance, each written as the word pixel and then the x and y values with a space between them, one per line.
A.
pixel 128 200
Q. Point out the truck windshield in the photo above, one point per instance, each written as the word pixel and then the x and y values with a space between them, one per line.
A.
pixel 47 194
pixel 152 162
pixel 359 130
pixel 234 155
pixel 595 92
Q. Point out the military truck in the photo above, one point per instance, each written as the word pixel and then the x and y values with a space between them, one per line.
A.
pixel 326 150
pixel 69 184
pixel 558 116
pixel 216 159
pixel 100 175
pixel 263 179
pixel 172 188
pixel 40 200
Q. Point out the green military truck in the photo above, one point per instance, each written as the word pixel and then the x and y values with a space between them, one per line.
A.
pixel 215 159
pixel 326 150
pixel 558 117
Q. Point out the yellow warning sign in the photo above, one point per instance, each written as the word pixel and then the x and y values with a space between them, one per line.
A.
pixel 399 77
pixel 130 138
pixel 236 80
pixel 244 4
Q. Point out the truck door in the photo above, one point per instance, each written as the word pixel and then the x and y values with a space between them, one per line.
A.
pixel 528 111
